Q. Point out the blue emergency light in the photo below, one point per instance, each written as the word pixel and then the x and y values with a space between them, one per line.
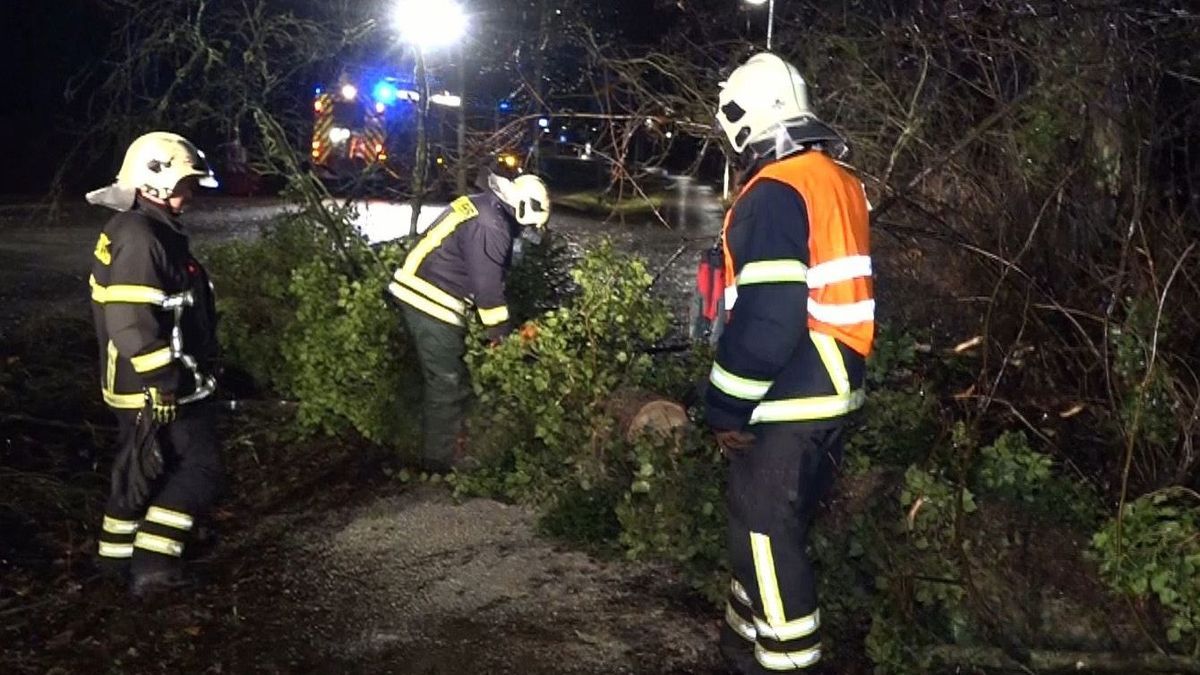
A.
pixel 384 92
pixel 505 106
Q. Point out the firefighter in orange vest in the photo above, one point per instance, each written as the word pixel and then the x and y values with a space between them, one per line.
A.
pixel 791 361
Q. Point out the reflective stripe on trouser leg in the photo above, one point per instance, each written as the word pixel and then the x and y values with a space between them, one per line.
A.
pixel 164 531
pixel 739 612
pixel 116 537
pixel 780 644
pixel 156 543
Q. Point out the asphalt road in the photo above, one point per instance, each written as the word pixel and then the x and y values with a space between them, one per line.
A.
pixel 45 255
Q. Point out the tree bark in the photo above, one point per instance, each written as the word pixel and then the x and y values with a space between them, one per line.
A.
pixel 422 152
pixel 640 412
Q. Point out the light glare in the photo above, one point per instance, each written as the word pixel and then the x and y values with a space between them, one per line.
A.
pixel 430 23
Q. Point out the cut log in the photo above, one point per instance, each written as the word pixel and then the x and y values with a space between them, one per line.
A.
pixel 1043 661
pixel 640 412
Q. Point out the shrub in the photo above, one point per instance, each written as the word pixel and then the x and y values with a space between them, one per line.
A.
pixel 673 508
pixel 347 355
pixel 542 421
pixel 1009 468
pixel 305 316
pixel 1153 550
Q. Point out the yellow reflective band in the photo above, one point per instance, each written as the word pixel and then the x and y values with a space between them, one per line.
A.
pixel 110 550
pixel 842 314
pixel 146 295
pixel 428 306
pixel 773 272
pixel 742 627
pixel 738 387
pixel 124 401
pixel 110 373
pixel 102 252
pixel 493 316
pixel 787 660
pixel 739 592
pixel 157 544
pixel 839 269
pixel 768 585
pixel 831 356
pixel 462 210
pixel 175 519
pixel 792 630
pixel 152 361
pixel 116 526
pixel 430 291
pixel 811 408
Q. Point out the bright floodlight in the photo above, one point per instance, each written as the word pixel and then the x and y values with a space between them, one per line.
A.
pixel 430 23
pixel 447 99
pixel 349 91
pixel 756 2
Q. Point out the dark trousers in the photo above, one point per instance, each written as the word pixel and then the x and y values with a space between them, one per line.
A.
pixel 774 491
pixel 154 534
pixel 441 348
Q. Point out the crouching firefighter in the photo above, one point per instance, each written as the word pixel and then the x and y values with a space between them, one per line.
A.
pixel 790 365
pixel 459 266
pixel 155 322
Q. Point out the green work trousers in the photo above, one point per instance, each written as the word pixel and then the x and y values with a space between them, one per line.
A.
pixel 440 347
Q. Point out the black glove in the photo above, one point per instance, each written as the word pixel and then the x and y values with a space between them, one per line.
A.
pixel 161 404
pixel 139 462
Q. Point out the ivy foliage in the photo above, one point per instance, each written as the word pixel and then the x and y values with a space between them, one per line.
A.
pixel 1153 551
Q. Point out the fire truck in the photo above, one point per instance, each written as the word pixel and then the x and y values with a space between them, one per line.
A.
pixel 360 123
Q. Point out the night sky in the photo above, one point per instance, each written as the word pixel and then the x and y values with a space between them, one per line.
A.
pixel 47 44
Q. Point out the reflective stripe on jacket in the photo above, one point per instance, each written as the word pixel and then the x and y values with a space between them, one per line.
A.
pixel 798 274
pixel 460 263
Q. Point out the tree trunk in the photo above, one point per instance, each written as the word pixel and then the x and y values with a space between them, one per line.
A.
pixel 640 412
pixel 460 183
pixel 422 152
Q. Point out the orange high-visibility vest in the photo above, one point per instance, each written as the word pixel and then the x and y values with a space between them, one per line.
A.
pixel 841 299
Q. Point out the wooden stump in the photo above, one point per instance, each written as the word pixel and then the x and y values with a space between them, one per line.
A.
pixel 639 412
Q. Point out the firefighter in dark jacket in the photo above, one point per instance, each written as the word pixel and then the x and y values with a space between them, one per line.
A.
pixel 789 368
pixel 459 266
pixel 155 322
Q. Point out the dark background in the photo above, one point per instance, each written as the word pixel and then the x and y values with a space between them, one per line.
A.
pixel 53 52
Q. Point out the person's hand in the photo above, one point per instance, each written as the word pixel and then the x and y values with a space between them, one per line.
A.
pixel 162 405
pixel 733 441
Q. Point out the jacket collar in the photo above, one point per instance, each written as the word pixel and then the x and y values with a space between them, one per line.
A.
pixel 157 213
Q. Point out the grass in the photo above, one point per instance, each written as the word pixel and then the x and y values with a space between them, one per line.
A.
pixel 597 203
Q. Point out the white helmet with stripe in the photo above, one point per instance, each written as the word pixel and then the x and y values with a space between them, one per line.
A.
pixel 527 195
pixel 154 164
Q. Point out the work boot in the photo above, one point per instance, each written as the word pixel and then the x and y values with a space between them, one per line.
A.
pixel 113 571
pixel 737 652
pixel 148 583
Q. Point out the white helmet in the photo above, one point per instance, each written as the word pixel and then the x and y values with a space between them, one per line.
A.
pixel 154 164
pixel 759 97
pixel 526 194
